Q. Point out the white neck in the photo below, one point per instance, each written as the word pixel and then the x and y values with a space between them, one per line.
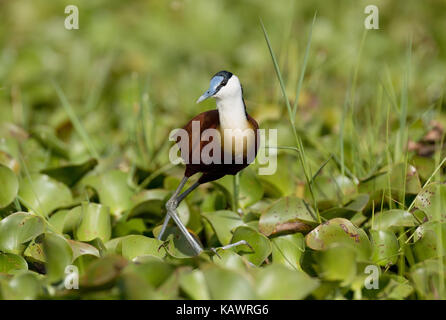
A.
pixel 231 111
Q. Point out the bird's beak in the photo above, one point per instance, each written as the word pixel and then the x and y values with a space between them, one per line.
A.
pixel 215 82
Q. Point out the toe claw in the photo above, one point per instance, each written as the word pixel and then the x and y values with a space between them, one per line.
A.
pixel 214 250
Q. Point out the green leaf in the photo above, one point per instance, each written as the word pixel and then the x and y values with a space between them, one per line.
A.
pixel 17 229
pixel 288 249
pixel 332 268
pixel 135 245
pixel 250 188
pixel 428 243
pixel 65 221
pixel 103 272
pixel 429 278
pixel 228 285
pixel 10 262
pixel 43 194
pixel 9 186
pixel 260 244
pixel 194 285
pixel 223 222
pixel 402 178
pixel 25 285
pixel 276 282
pixel 432 201
pixel 341 231
pixel 46 137
pixel 289 214
pixel 71 174
pixel 58 255
pixel 81 248
pixel 393 219
pixel 385 247
pixel 150 205
pixel 230 260
pixel 113 190
pixel 94 222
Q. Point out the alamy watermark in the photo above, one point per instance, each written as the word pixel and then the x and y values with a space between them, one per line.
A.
pixel 72 20
pixel 372 20
pixel 71 280
pixel 371 281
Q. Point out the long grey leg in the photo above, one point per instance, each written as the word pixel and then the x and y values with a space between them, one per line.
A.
pixel 172 198
pixel 171 207
pixel 232 245
pixel 176 199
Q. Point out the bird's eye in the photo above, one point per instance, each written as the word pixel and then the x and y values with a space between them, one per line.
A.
pixel 224 82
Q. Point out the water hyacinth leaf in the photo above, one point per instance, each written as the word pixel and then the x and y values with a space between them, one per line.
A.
pixel 397 288
pixel 402 178
pixel 131 226
pixel 150 205
pixel 193 284
pixel 358 203
pixel 58 255
pixel 113 190
pixel 393 219
pixel 428 243
pixel 341 231
pixel 228 285
pixel 71 174
pixel 103 272
pixel 288 214
pixel 81 248
pixel 10 262
pixel 135 245
pixel 34 251
pixel 43 194
pixel 277 185
pixel 223 222
pixel 432 201
pixel 332 268
pixel 276 282
pixel 288 249
pixel 153 272
pixel 65 221
pixel 385 247
pixel 9 186
pixel 46 137
pixel 427 277
pixel 327 187
pixel 261 246
pixel 9 161
pixel 17 229
pixel 25 285
pixel 94 222
pixel 229 260
pixel 250 188
pixel 425 166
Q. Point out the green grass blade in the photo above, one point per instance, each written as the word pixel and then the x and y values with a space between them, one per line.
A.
pixel 304 66
pixel 75 121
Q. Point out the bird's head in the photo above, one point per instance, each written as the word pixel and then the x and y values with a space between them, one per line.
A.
pixel 223 85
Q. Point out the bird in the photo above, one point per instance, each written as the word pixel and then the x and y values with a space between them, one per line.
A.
pixel 234 145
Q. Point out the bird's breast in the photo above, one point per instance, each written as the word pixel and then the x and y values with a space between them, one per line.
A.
pixel 238 141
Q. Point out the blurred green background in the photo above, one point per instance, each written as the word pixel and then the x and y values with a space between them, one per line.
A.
pixel 169 50
pixel 115 88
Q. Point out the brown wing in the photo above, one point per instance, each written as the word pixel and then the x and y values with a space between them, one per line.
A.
pixel 205 120
pixel 209 120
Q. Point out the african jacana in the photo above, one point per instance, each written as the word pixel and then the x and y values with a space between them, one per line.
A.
pixel 238 135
